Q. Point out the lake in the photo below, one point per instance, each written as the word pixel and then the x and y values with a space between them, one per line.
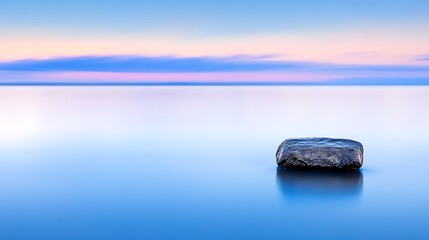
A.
pixel 195 162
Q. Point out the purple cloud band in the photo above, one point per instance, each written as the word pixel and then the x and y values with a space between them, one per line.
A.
pixel 189 64
pixel 112 70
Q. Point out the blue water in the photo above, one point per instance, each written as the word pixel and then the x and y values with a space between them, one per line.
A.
pixel 199 163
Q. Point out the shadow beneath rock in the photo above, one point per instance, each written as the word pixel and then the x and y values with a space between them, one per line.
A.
pixel 296 183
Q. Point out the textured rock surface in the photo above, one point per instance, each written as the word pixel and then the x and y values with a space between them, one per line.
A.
pixel 327 153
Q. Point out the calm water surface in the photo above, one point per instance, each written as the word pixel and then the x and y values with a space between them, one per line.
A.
pixel 198 163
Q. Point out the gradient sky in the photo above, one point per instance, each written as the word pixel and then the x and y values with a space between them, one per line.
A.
pixel 359 32
pixel 353 31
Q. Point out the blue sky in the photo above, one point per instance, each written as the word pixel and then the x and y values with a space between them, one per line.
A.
pixel 211 18
pixel 333 32
pixel 393 30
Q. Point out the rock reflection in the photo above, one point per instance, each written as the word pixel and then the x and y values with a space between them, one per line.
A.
pixel 319 184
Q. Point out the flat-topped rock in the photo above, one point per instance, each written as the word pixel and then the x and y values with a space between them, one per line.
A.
pixel 329 153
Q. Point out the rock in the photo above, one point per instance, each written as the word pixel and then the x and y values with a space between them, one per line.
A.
pixel 324 153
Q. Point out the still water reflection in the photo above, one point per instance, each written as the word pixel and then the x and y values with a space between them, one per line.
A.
pixel 199 163
pixel 297 183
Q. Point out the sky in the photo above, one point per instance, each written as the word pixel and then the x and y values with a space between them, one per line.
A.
pixel 327 32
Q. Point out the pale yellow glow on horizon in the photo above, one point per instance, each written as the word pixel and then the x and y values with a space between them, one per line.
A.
pixel 18 125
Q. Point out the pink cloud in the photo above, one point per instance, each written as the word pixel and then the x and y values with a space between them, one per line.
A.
pixel 217 77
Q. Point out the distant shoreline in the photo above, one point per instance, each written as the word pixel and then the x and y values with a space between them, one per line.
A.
pixel 214 84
